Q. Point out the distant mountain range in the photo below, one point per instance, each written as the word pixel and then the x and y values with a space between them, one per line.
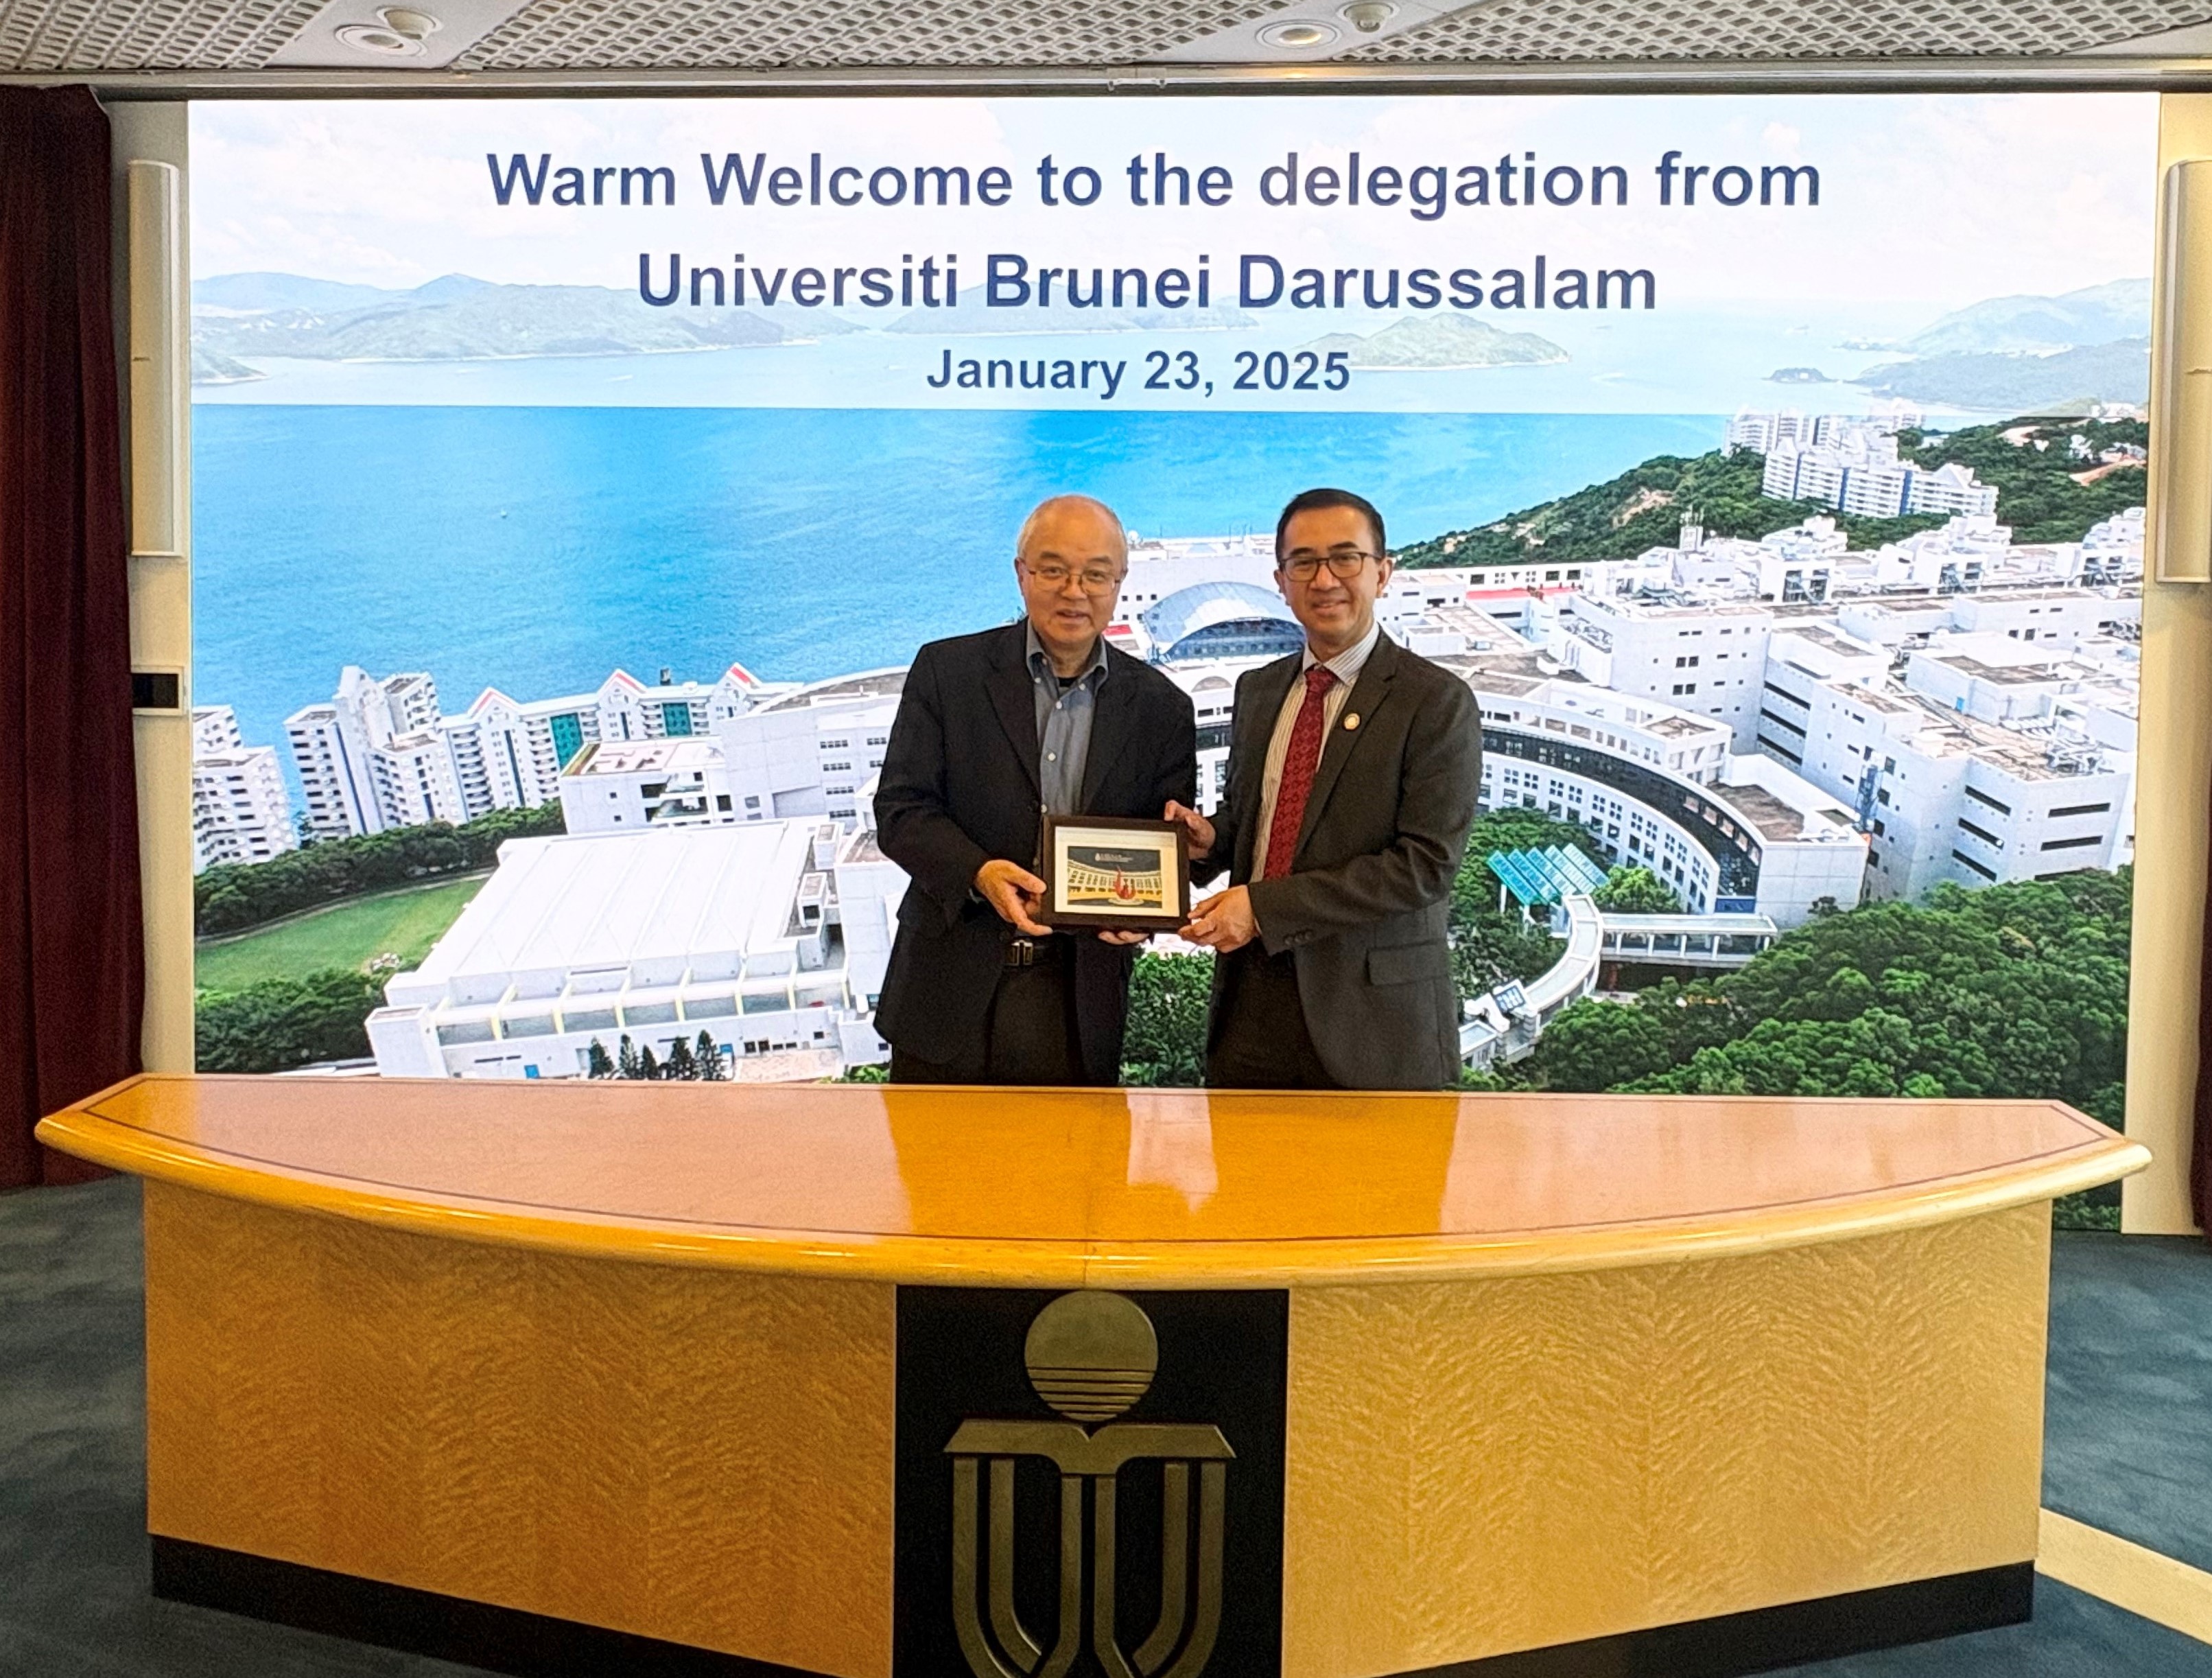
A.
pixel 2028 354
pixel 238 317
pixel 1438 343
pixel 2021 384
pixel 2040 325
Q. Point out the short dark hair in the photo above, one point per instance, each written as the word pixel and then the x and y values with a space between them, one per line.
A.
pixel 1311 501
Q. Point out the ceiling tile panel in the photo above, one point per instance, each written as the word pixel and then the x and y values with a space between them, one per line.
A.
pixel 691 34
pixel 91 36
pixel 146 34
pixel 1596 31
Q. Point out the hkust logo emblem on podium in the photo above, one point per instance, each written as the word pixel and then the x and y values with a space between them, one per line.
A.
pixel 1089 1356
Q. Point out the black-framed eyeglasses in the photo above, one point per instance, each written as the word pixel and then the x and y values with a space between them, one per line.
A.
pixel 1344 562
pixel 1096 579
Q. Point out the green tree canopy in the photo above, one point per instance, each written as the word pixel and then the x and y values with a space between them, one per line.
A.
pixel 2036 474
pixel 230 896
pixel 1636 891
pixel 2032 469
pixel 279 1023
pixel 712 1068
pixel 1164 1044
pixel 2008 990
pixel 1592 1045
pixel 1642 508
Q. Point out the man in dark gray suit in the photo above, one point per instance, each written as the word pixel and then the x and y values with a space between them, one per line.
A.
pixel 995 731
pixel 1353 771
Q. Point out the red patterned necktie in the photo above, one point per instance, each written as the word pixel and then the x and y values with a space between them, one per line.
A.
pixel 1299 763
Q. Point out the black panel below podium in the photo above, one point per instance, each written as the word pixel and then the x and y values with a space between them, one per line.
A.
pixel 530 1645
pixel 422 1622
pixel 1794 1634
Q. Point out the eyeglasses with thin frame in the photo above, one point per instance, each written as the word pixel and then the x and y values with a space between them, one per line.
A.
pixel 1096 579
pixel 1343 563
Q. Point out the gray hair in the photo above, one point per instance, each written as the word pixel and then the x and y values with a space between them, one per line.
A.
pixel 1054 503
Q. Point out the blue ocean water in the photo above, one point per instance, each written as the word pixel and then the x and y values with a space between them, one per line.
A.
pixel 536 549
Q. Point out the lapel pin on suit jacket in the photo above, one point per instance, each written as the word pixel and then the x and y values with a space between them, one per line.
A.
pixel 1352 721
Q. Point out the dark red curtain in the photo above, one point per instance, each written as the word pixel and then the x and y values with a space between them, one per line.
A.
pixel 72 958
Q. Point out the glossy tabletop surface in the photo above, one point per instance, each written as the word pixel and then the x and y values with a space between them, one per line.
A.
pixel 1062 1187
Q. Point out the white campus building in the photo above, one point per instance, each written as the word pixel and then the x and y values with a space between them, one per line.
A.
pixel 1693 624
pixel 811 750
pixel 1987 762
pixel 381 754
pixel 1762 433
pixel 241 811
pixel 1160 567
pixel 771 937
pixel 808 751
pixel 1810 563
pixel 625 786
pixel 1851 462
pixel 1864 476
pixel 1660 787
pixel 507 754
pixel 1181 586
pixel 1703 655
pixel 1969 702
pixel 372 759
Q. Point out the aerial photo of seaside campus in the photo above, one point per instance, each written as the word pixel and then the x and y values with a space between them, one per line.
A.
pixel 1808 767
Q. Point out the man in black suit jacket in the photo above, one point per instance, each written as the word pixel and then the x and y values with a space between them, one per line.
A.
pixel 1353 770
pixel 992 730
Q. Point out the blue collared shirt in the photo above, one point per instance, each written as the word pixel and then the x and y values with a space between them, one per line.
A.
pixel 1063 722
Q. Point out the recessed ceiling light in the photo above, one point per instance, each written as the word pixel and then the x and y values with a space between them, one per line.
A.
pixel 376 38
pixel 377 32
pixel 1299 37
pixel 399 32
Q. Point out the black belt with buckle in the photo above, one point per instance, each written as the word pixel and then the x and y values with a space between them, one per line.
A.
pixel 1031 951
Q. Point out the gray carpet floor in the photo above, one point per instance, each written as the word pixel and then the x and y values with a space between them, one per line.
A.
pixel 2128 1427
pixel 2128 1448
pixel 74 1586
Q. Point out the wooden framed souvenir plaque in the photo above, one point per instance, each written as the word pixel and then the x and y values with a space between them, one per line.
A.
pixel 1105 873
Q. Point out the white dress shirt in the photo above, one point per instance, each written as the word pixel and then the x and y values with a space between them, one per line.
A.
pixel 1346 667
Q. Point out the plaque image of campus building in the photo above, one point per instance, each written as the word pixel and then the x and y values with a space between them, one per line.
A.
pixel 1126 877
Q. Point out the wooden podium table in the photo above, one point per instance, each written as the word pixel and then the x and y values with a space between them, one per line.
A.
pixel 846 1379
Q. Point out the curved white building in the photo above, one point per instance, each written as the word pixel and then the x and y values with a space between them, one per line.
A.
pixel 1659 787
pixel 1220 620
